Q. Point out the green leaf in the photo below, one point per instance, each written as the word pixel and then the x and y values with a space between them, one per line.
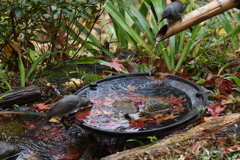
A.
pixel 123 25
pixel 135 140
pixel 86 61
pixel 230 35
pixel 21 71
pixel 191 42
pixel 226 23
pixel 140 21
pixel 236 80
pixel 19 12
pixel 38 60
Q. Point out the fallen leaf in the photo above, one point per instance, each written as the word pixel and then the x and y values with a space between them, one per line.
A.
pixel 42 107
pixel 175 100
pixel 227 101
pixel 54 120
pixel 219 96
pixel 29 125
pixel 215 110
pixel 117 65
pixel 137 124
pixel 83 113
pixel 177 109
pixel 162 118
pixel 209 76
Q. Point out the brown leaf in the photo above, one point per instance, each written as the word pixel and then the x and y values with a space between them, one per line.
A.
pixel 42 107
pixel 175 100
pixel 209 76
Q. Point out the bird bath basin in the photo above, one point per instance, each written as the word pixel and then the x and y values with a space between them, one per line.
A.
pixel 140 105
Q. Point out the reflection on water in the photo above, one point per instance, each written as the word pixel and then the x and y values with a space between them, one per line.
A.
pixel 54 142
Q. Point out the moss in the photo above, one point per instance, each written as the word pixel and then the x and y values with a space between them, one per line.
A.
pixel 62 73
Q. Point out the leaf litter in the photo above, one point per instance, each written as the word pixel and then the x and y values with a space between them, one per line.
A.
pixel 131 112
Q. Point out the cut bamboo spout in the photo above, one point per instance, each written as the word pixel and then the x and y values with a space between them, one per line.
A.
pixel 195 17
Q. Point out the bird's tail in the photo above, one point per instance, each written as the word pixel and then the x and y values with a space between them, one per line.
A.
pixel 38 127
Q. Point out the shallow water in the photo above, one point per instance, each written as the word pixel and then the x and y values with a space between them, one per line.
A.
pixel 53 142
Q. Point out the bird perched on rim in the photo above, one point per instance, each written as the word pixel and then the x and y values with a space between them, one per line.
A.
pixel 174 10
pixel 63 107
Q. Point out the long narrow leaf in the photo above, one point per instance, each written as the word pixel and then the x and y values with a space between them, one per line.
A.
pixel 228 28
pixel 159 7
pixel 123 25
pixel 22 71
pixel 231 34
pixel 86 61
pixel 188 46
pixel 38 60
pixel 142 21
pixel 172 42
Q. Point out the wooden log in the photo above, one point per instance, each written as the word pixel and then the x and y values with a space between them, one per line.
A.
pixel 215 132
pixel 20 96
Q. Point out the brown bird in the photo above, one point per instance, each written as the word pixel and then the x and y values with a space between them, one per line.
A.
pixel 174 10
pixel 63 107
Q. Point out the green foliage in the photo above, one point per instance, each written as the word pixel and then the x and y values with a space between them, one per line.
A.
pixel 123 28
pixel 5 84
pixel 16 107
pixel 152 138
pixel 25 73
pixel 132 24
pixel 22 72
pixel 230 22
pixel 26 22
pixel 144 68
pixel 43 26
pixel 135 140
pixel 200 109
pixel 87 61
pixel 137 25
pixel 88 78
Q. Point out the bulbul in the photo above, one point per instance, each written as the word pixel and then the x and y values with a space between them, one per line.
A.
pixel 63 107
pixel 174 11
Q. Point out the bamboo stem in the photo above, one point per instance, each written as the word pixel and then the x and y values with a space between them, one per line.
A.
pixel 197 16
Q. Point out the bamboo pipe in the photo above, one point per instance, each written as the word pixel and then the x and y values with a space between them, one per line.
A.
pixel 195 17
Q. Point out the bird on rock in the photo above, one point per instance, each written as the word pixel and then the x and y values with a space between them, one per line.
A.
pixel 63 107
pixel 174 10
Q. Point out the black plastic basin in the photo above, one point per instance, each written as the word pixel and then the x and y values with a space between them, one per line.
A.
pixel 145 84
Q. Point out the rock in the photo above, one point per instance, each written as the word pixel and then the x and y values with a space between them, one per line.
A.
pixel 125 106
pixel 7 150
pixel 152 104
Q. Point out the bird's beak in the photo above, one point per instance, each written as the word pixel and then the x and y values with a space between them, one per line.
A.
pixel 90 104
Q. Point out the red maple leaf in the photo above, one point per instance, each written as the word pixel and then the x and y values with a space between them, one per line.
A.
pixel 41 107
pixel 177 109
pixel 215 110
pixel 117 64
pixel 137 124
pixel 83 113
pixel 226 85
pixel 29 125
pixel 155 121
pixel 175 100
pixel 162 118
pixel 232 149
